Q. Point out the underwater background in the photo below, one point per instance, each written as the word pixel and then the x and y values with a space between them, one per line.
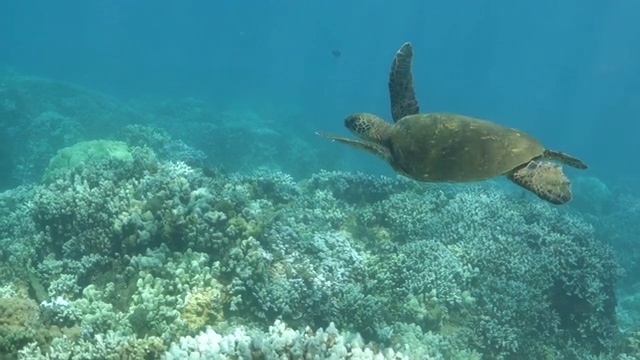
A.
pixel 164 194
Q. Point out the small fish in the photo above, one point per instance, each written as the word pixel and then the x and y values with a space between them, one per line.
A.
pixel 336 53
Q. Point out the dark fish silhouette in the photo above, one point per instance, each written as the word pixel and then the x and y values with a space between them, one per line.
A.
pixel 336 53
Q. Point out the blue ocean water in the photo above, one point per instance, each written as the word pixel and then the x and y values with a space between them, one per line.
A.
pixel 244 85
pixel 562 71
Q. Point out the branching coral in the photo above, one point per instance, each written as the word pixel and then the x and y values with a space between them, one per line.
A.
pixel 471 269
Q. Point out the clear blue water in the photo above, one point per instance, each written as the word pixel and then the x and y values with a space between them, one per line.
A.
pixel 564 71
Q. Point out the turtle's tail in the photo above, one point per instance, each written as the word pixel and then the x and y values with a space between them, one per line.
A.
pixel 565 159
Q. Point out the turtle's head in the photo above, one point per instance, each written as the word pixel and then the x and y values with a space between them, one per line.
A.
pixel 374 132
pixel 368 127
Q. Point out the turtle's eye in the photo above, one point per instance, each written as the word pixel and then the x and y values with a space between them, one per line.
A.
pixel 357 124
pixel 350 122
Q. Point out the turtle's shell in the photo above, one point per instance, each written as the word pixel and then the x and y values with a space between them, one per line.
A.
pixel 443 147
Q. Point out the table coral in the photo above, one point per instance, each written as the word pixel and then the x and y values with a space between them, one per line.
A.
pixel 85 153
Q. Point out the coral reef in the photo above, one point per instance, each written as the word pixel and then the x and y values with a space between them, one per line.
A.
pixel 18 323
pixel 84 153
pixel 145 255
pixel 39 117
pixel 282 342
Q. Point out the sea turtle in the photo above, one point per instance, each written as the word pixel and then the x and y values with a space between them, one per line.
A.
pixel 444 147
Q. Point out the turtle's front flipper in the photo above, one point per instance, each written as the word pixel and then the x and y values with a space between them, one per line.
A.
pixel 565 159
pixel 401 92
pixel 544 179
pixel 371 147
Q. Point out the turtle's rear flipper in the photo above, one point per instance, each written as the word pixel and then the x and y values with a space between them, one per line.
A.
pixel 544 179
pixel 565 159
